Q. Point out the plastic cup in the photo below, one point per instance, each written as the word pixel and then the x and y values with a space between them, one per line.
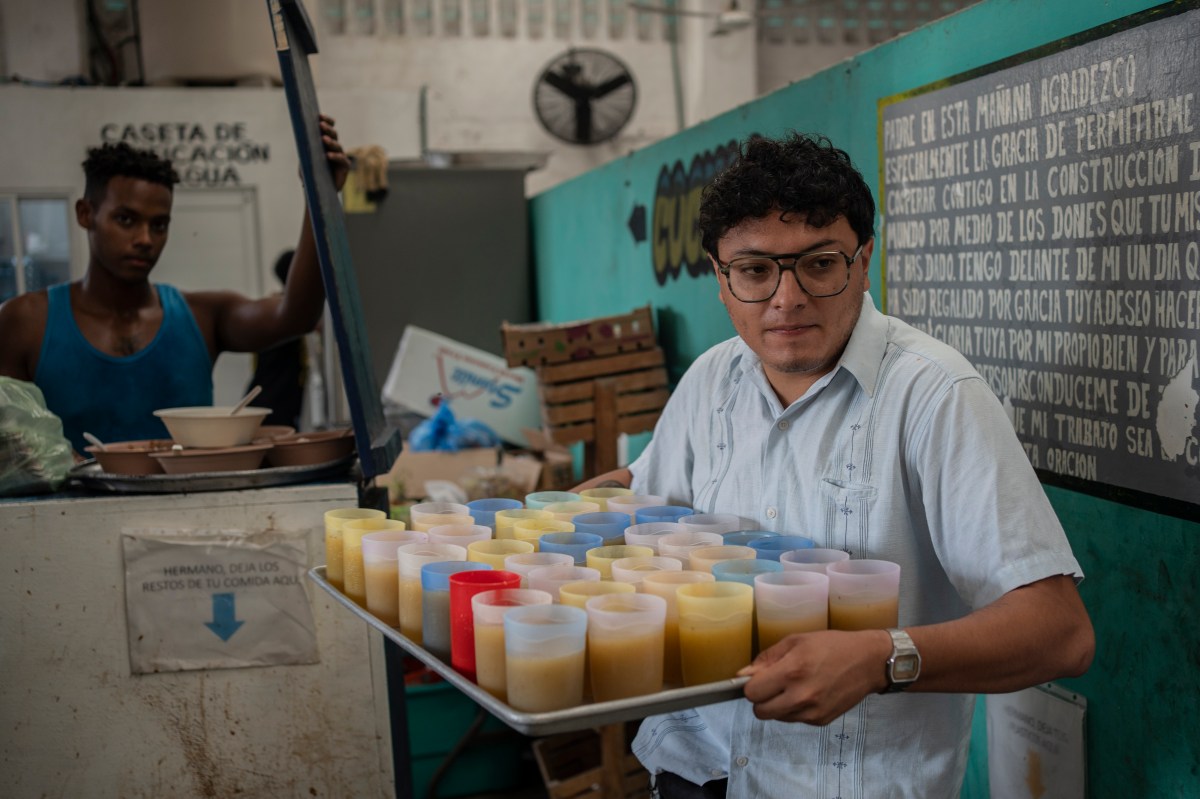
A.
pixel 665 585
pixel 488 609
pixel 609 525
pixel 812 560
pixel 648 534
pixel 483 511
pixel 601 496
pixel 538 500
pixel 701 559
pixel 577 594
pixel 505 519
pixel 431 514
pixel 409 560
pixel 634 570
pixel 494 552
pixel 863 594
pixel 575 544
pixel 566 511
pixel 714 630
pixel 680 545
pixel 523 563
pixel 632 503
pixel 720 523
pixel 744 537
pixel 601 558
pixel 744 571
pixel 532 530
pixel 544 656
pixel 463 586
pixel 461 534
pixel 333 539
pixel 354 578
pixel 790 602
pixel 662 513
pixel 776 545
pixel 380 572
pixel 551 578
pixel 625 644
pixel 435 603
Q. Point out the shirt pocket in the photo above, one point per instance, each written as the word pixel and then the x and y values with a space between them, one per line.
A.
pixel 847 512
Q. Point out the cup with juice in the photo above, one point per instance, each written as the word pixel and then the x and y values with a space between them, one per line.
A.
pixel 505 519
pixel 409 560
pixel 354 579
pixel 719 523
pixel 435 603
pixel 461 534
pixel 625 644
pixel 701 559
pixel 790 602
pixel 380 572
pixel 544 656
pixel 525 562
pixel 463 586
pixel 650 533
pixel 430 514
pixel 680 545
pixel 863 594
pixel 812 560
pixel 575 544
pixel 532 530
pixel 665 584
pixel 566 511
pixel 488 609
pixel 333 539
pixel 601 496
pixel 630 504
pixel 714 630
pixel 494 551
pixel 601 558
pixel 552 578
pixel 634 570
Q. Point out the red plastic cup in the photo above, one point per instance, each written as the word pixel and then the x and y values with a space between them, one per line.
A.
pixel 463 586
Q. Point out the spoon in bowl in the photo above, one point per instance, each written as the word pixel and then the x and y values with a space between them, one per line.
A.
pixel 254 392
pixel 91 439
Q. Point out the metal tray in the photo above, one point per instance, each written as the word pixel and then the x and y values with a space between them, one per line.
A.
pixel 586 716
pixel 89 475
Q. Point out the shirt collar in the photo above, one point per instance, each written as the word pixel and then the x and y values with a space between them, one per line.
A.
pixel 862 358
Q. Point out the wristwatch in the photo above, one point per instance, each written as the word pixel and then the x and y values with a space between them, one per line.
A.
pixel 904 666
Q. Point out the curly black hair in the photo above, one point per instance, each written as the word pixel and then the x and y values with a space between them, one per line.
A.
pixel 799 175
pixel 120 160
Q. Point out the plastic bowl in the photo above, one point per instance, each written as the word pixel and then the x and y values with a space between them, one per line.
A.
pixel 212 426
pixel 130 457
pixel 223 459
pixel 270 432
pixel 303 449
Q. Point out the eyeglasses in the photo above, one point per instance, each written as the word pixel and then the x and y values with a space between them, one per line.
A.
pixel 756 278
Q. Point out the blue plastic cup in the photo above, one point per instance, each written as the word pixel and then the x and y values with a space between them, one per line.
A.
pixel 774 546
pixel 609 525
pixel 483 511
pixel 743 538
pixel 662 513
pixel 575 544
pixel 435 603
pixel 744 571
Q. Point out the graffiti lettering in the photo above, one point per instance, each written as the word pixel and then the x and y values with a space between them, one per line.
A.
pixel 675 238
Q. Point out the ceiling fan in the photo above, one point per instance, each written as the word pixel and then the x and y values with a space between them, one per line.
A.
pixel 730 19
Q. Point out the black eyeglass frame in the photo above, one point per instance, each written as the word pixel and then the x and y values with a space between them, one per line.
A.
pixel 723 268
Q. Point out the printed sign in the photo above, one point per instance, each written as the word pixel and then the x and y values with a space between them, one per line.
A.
pixel 1044 219
pixel 1036 744
pixel 213 600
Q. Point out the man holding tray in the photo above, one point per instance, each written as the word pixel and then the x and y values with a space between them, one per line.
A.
pixel 827 419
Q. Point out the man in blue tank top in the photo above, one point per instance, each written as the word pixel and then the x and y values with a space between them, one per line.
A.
pixel 110 349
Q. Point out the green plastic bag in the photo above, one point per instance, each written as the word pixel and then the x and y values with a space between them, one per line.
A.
pixel 35 456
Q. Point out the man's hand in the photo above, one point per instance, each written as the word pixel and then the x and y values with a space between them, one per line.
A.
pixel 816 677
pixel 339 162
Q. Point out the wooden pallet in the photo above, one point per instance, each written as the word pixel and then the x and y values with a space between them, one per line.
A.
pixel 594 401
pixel 544 343
pixel 590 764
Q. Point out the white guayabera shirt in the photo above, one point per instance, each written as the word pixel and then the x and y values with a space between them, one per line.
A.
pixel 901 453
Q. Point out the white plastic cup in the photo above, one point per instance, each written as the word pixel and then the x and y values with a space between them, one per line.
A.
pixel 462 535
pixel 380 572
pixel 431 514
pixel 648 534
pixel 552 578
pixel 790 602
pixel 811 560
pixel 680 545
pixel 634 570
pixel 720 523
pixel 409 560
pixel 489 609
pixel 863 594
pixel 524 562
pixel 544 657
pixel 625 645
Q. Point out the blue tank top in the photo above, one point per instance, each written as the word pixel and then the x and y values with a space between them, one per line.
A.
pixel 114 398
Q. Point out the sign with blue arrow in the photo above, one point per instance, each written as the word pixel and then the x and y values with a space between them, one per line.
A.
pixel 223 623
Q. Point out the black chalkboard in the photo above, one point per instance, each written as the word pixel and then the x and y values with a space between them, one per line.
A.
pixel 1042 215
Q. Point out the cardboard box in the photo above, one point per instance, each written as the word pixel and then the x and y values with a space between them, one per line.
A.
pixel 406 479
pixel 429 367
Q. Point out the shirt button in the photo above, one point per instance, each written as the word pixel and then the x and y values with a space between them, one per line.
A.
pixel 772 513
pixel 717 772
pixel 741 761
pixel 783 425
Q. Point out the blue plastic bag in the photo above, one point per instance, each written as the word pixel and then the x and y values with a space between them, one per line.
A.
pixel 443 432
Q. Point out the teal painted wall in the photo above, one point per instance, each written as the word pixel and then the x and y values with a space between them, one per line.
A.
pixel 1143 568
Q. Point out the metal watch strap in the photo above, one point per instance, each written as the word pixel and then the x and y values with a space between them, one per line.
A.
pixel 905 654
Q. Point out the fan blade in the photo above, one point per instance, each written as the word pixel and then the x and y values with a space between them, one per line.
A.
pixel 610 86
pixel 583 121
pixel 565 85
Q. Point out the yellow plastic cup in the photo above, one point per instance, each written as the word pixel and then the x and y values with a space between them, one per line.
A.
pixel 665 584
pixel 505 519
pixel 433 514
pixel 601 558
pixel 354 576
pixel 578 593
pixel 566 511
pixel 715 624
pixel 333 539
pixel 601 496
pixel 494 551
pixel 703 558
pixel 532 530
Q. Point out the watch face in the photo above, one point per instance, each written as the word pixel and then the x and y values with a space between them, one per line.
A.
pixel 905 667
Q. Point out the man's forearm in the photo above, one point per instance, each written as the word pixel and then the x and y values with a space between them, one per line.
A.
pixel 617 478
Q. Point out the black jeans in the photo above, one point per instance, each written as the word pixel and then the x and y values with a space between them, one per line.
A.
pixel 672 786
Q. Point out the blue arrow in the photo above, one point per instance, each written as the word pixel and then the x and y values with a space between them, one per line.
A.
pixel 223 623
